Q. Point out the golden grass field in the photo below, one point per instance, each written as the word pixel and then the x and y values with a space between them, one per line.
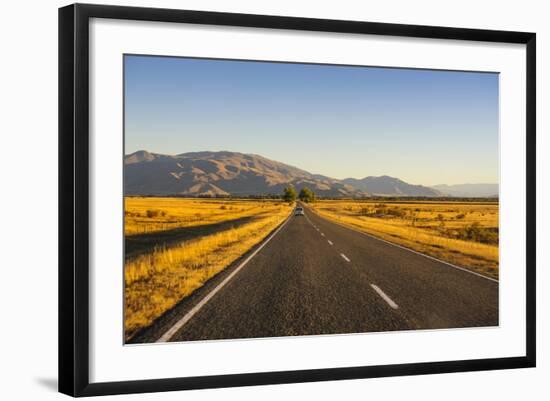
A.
pixel 146 215
pixel 156 281
pixel 463 233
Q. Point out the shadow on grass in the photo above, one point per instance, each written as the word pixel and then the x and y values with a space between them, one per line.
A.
pixel 140 244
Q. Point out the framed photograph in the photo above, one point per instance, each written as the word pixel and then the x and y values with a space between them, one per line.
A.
pixel 251 199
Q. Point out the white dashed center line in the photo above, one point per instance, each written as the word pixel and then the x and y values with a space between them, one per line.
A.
pixel 384 296
pixel 345 257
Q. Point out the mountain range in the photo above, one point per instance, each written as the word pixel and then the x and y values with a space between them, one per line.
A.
pixel 386 185
pixel 231 173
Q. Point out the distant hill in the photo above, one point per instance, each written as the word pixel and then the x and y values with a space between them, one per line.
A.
pixel 469 190
pixel 221 173
pixel 390 186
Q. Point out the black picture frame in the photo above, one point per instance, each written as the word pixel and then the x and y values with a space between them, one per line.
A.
pixel 74 200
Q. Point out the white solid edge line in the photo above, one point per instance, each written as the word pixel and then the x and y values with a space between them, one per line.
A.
pixel 384 296
pixel 330 242
pixel 345 257
pixel 180 323
pixel 411 250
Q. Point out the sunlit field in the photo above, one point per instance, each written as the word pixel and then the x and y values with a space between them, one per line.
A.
pixel 463 233
pixel 146 215
pixel 155 281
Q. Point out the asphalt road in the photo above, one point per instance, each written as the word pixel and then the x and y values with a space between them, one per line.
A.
pixel 317 277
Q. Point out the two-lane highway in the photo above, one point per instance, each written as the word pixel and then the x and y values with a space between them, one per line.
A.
pixel 316 277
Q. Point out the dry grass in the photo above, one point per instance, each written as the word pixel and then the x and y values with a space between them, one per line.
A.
pixel 465 234
pixel 155 282
pixel 144 215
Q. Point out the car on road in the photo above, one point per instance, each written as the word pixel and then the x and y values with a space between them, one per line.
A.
pixel 299 211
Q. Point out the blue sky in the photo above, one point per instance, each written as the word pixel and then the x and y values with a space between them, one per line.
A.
pixel 423 126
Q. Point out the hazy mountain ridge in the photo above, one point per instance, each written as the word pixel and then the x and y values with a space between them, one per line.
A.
pixel 386 185
pixel 232 173
pixel 469 190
